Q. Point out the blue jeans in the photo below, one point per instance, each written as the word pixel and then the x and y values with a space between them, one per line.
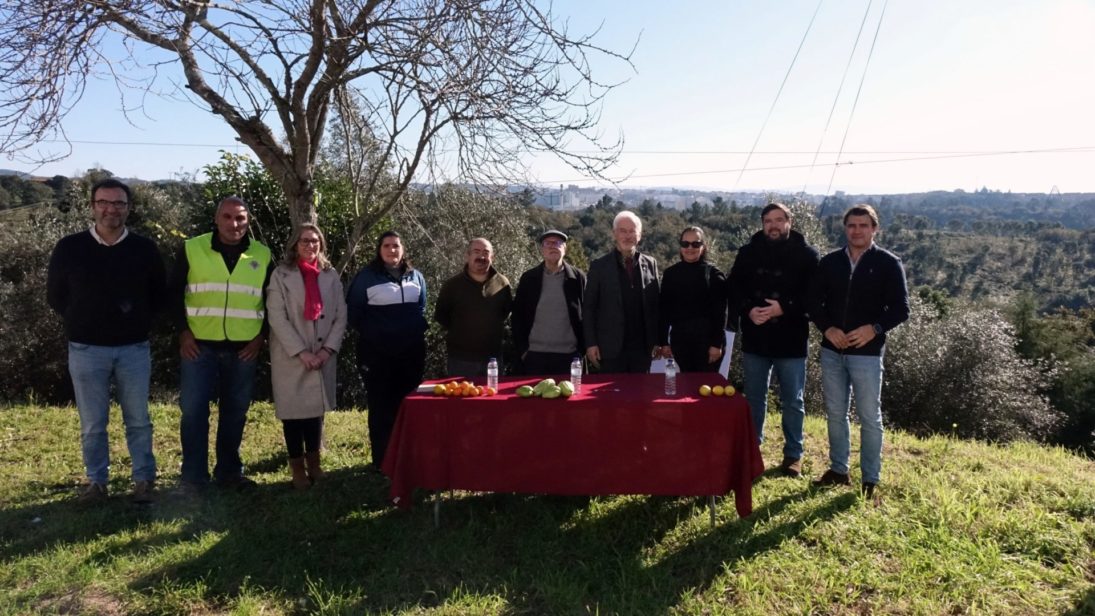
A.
pixel 92 368
pixel 220 374
pixel 841 375
pixel 791 373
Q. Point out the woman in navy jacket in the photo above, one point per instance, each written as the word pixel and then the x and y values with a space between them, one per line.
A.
pixel 387 305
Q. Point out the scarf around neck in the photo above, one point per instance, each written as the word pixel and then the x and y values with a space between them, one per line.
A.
pixel 313 301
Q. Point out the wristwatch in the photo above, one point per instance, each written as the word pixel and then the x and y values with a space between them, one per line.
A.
pixel 877 329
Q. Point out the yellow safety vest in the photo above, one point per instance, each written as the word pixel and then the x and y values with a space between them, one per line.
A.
pixel 222 305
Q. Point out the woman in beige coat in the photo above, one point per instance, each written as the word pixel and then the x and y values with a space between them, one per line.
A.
pixel 307 314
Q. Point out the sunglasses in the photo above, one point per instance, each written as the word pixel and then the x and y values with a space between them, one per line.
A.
pixel 696 244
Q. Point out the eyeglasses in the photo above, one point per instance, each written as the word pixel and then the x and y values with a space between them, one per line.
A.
pixel 307 240
pixel 696 244
pixel 104 204
pixel 553 243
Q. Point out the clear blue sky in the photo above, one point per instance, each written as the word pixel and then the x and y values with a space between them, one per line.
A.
pixel 946 79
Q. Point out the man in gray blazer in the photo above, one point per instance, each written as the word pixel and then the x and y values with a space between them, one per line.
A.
pixel 620 306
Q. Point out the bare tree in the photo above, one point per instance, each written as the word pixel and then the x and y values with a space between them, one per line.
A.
pixel 463 87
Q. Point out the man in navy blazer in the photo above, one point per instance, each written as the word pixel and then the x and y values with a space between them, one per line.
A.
pixel 620 318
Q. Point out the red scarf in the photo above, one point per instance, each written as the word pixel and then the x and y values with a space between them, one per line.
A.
pixel 313 301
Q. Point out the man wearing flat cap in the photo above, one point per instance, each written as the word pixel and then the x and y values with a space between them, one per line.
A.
pixel 547 313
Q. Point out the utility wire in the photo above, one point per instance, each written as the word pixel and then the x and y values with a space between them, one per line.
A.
pixel 1076 150
pixel 855 103
pixel 786 76
pixel 839 89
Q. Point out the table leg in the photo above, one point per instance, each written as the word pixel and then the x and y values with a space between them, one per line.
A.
pixel 711 509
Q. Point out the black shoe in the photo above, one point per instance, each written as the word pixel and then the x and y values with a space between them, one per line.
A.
pixel 867 488
pixel 833 478
pixel 238 483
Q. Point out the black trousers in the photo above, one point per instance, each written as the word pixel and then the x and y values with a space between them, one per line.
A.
pixel 386 384
pixel 691 356
pixel 536 363
pixel 302 435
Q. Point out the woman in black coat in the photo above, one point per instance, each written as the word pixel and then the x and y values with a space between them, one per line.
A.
pixel 692 311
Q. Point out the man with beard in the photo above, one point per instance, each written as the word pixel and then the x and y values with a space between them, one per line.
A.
pixel 547 312
pixel 472 308
pixel 768 286
pixel 621 303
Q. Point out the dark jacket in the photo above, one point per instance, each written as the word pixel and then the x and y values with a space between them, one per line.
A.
pixel 874 294
pixel 780 271
pixel 388 314
pixel 693 303
pixel 528 297
pixel 473 315
pixel 603 310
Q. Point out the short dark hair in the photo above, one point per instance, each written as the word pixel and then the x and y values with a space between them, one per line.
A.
pixel 378 262
pixel 776 206
pixel 862 209
pixel 112 183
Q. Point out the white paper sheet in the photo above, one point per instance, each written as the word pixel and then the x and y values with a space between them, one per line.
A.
pixel 728 350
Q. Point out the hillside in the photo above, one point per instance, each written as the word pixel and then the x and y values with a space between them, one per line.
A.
pixel 1056 265
pixel 961 527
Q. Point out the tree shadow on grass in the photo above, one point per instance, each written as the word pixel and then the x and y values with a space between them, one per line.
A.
pixel 541 554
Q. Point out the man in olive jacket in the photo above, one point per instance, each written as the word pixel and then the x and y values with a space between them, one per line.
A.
pixel 620 307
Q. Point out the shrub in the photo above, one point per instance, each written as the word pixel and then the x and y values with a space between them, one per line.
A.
pixel 33 350
pixel 960 373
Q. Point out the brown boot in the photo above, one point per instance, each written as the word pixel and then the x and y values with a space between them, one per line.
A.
pixel 315 472
pixel 300 478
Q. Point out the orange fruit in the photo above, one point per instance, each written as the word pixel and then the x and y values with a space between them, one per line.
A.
pixel 491 391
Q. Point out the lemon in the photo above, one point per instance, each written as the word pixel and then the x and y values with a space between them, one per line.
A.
pixel 717 390
pixel 729 390
pixel 439 390
pixel 705 390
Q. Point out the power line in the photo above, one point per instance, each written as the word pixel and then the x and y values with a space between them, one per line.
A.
pixel 786 76
pixel 839 89
pixel 576 151
pixel 1076 150
pixel 862 79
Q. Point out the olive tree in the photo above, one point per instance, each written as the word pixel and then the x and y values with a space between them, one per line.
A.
pixel 459 87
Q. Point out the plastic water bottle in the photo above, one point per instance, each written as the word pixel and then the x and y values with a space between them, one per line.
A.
pixel 576 374
pixel 670 377
pixel 492 373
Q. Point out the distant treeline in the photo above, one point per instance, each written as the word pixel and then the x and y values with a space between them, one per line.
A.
pixel 993 211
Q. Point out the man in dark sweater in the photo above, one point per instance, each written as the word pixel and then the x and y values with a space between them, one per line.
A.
pixel 858 294
pixel 107 283
pixel 767 291
pixel 472 308
pixel 547 312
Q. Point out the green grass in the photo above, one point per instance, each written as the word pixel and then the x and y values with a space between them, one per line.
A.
pixel 961 528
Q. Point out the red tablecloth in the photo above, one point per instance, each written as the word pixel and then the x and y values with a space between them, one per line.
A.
pixel 621 435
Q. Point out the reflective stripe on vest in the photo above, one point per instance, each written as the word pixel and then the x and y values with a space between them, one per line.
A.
pixel 219 305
